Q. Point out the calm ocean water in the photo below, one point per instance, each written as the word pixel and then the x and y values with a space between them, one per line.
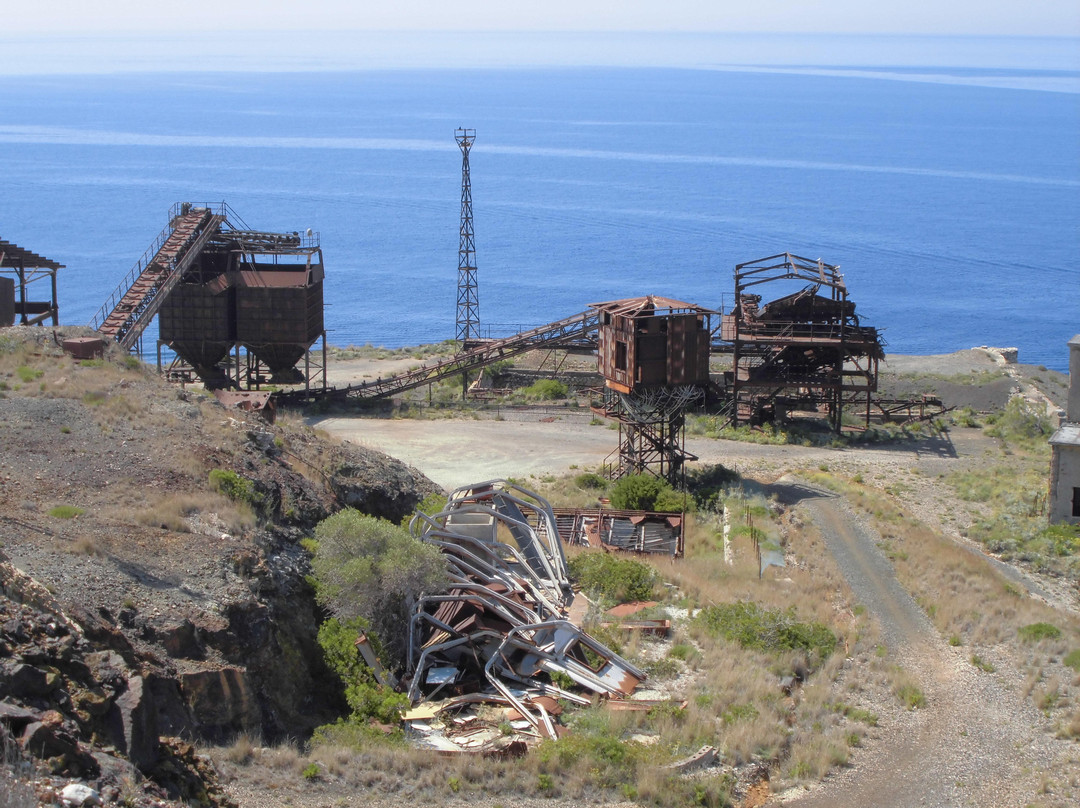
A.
pixel 950 197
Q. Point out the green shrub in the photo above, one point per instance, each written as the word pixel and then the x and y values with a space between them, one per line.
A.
pixel 910 696
pixel 28 374
pixel 1039 631
pixel 739 712
pixel 546 390
pixel 1061 540
pixel 311 771
pixel 982 664
pixel 356 736
pixel 431 505
pixel 637 492
pixel 367 699
pixel 239 489
pixel 1072 659
pixel 857 714
pixel 609 760
pixel 66 512
pixel 603 575
pixel 671 501
pixel 373 569
pixel 707 483
pixel 770 630
pixel 1020 421
pixel 590 481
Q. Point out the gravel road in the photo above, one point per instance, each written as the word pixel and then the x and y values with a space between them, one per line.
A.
pixel 976 742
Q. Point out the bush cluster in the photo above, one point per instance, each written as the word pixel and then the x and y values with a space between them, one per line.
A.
pixel 373 569
pixel 622 580
pixel 1020 421
pixel 645 492
pixel 545 390
pixel 770 630
pixel 239 489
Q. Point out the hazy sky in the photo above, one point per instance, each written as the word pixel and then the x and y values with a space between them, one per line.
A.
pixel 993 17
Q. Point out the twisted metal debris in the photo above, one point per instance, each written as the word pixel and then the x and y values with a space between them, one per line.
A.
pixel 502 631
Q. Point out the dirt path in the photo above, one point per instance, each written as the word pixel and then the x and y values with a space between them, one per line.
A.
pixel 976 741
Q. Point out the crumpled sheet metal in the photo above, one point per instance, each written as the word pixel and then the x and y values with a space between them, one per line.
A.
pixel 500 630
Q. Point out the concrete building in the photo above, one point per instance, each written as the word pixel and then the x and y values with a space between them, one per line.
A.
pixel 1065 447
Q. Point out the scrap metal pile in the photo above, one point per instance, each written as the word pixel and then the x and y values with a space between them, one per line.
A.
pixel 502 633
pixel 630 531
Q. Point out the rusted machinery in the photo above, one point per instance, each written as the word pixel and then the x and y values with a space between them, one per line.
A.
pixel 221 289
pixel 614 529
pixel 262 292
pixel 804 351
pixel 19 269
pixel 654 358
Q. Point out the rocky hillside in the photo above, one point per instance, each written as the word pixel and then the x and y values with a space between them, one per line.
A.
pixel 153 586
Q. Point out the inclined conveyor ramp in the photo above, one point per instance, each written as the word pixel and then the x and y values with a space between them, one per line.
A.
pixel 137 299
pixel 561 332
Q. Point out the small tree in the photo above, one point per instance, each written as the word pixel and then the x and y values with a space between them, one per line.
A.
pixel 373 569
pixel 365 696
pixel 637 492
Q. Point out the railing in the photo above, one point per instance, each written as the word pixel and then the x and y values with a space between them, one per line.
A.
pixel 178 209
pixel 781 331
pixel 139 318
pixel 132 276
pixel 554 333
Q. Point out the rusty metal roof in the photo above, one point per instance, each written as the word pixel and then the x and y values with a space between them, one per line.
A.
pixel 13 256
pixel 275 278
pixel 649 305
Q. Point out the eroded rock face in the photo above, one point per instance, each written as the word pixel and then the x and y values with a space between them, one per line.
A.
pixel 61 698
pixel 222 702
pixel 365 481
pixel 161 611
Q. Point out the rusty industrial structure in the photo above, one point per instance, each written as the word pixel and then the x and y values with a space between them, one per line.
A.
pixel 22 273
pixel 654 358
pixel 239 307
pixel 607 528
pixel 805 351
pixel 468 301
pixel 567 331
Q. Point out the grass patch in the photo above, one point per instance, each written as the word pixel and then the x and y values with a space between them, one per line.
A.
pixel 66 512
pixel 770 630
pixel 910 696
pixel 28 374
pixel 857 714
pixel 239 489
pixel 545 390
pixel 1038 631
pixel 1072 659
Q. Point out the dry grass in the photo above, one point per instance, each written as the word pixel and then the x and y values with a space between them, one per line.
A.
pixel 734 696
pixel 175 511
pixel 966 598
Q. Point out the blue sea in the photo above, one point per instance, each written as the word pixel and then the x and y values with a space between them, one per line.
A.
pixel 948 190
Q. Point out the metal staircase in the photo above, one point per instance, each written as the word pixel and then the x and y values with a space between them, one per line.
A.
pixel 137 299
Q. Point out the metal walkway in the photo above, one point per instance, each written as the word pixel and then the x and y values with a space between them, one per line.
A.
pixel 546 336
pixel 137 299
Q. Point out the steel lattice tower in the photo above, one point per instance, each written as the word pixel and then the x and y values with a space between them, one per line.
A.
pixel 468 304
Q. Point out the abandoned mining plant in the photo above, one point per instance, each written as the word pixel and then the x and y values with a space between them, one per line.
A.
pixel 240 309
